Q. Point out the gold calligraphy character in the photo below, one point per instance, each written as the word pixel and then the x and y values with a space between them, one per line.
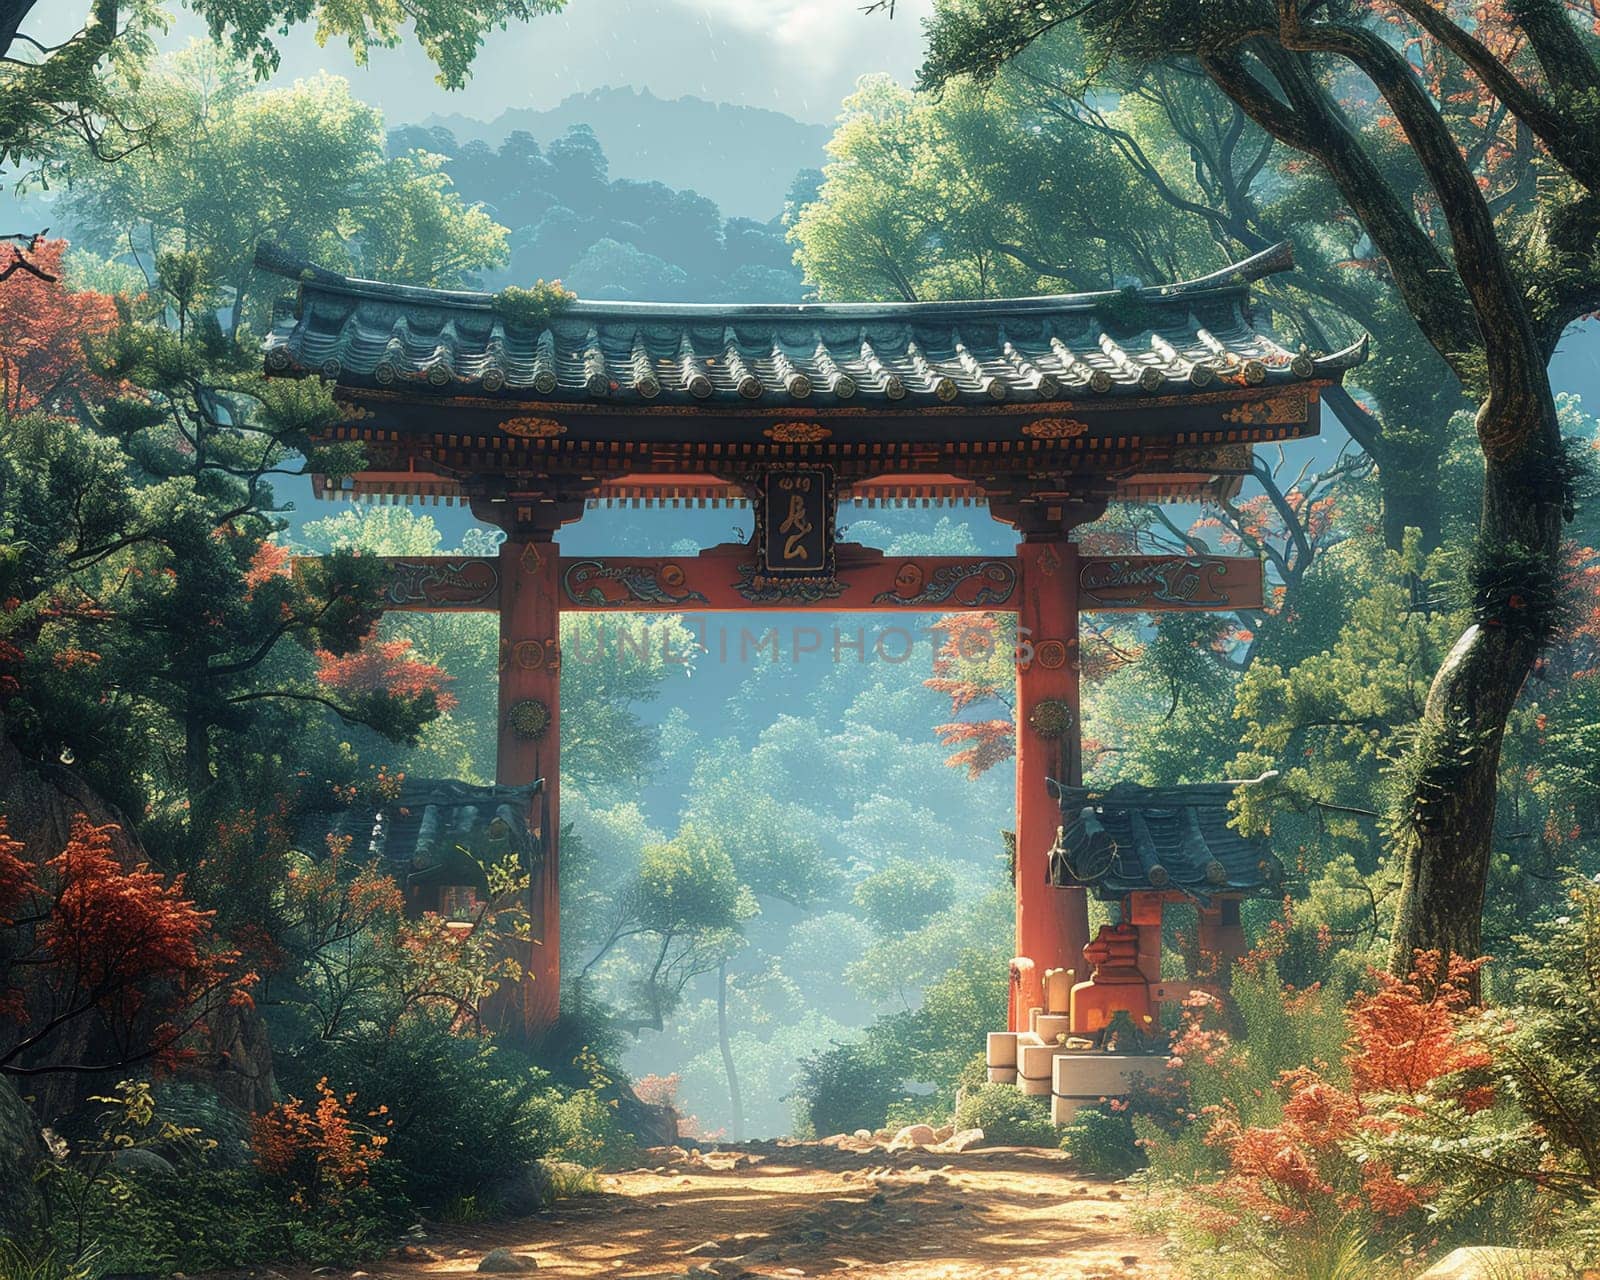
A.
pixel 797 527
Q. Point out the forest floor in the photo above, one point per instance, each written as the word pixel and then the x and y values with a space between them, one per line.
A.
pixel 803 1209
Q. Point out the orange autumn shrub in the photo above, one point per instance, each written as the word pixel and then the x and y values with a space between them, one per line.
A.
pixel 1298 1183
pixel 103 966
pixel 316 1155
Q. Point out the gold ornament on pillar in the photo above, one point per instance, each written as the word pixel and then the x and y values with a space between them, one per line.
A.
pixel 528 719
pixel 532 558
pixel 1051 718
pixel 537 655
pixel 1051 654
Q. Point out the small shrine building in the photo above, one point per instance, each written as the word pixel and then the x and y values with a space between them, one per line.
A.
pixel 1044 410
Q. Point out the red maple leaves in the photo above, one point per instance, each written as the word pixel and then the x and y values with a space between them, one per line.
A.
pixel 84 937
pixel 43 327
pixel 386 666
pixel 1406 1041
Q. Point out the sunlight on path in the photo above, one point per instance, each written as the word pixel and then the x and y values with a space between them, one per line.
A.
pixel 805 1210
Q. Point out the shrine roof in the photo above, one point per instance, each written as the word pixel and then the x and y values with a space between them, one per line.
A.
pixel 1132 838
pixel 434 831
pixel 1158 341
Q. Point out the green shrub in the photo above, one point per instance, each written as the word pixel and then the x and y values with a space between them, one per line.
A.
pixel 845 1088
pixel 43 1262
pixel 532 308
pixel 222 1219
pixel 583 1127
pixel 465 1111
pixel 1101 1142
pixel 1007 1116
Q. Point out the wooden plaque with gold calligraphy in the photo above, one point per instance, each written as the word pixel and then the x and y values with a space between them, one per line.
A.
pixel 794 522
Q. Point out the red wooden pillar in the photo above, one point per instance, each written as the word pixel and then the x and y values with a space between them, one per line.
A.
pixel 1052 924
pixel 530 742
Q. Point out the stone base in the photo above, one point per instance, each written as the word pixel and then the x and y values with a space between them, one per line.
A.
pixel 1083 1079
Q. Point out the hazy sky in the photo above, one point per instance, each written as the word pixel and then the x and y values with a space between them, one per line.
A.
pixel 796 56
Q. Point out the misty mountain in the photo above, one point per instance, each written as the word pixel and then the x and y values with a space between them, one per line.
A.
pixel 616 238
pixel 741 158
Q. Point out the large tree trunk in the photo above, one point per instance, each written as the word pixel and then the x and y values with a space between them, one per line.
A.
pixel 1457 754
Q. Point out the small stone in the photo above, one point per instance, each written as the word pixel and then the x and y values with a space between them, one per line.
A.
pixel 1113 1194
pixel 916 1135
pixel 964 1140
pixel 138 1161
pixel 504 1261
pixel 864 1134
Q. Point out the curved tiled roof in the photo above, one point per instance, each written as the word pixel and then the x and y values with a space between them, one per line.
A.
pixel 1157 341
pixel 1176 839
pixel 435 831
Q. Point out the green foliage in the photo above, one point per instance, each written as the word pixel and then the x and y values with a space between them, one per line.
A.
pixel 532 308
pixel 212 1219
pixel 84 87
pixel 1101 1142
pixel 606 745
pixel 342 201
pixel 1007 1116
pixel 586 1130
pixel 106 1213
pixel 1515 588
pixel 904 895
pixel 1274 1029
pixel 977 193
pixel 20 1260
pixel 845 1088
pixel 461 1112
pixel 688 883
pixel 450 32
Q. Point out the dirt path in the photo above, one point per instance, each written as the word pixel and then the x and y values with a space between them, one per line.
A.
pixel 776 1210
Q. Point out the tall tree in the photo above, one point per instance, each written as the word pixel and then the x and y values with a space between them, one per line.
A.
pixel 162 640
pixel 54 90
pixel 1491 284
pixel 304 166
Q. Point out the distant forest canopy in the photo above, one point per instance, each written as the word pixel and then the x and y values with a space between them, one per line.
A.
pixel 742 157
pixel 613 238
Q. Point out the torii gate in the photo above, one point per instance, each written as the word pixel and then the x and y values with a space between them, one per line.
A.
pixel 794 409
